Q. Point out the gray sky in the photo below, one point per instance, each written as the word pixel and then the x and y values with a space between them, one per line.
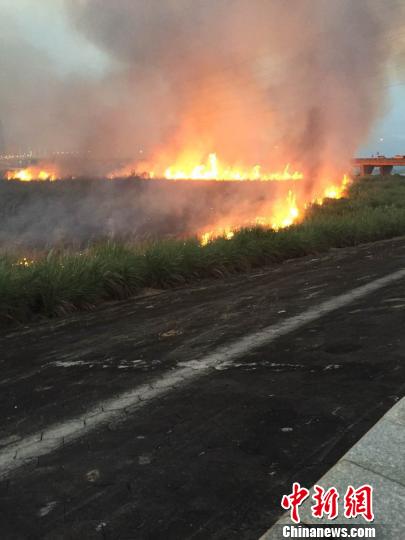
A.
pixel 43 24
pixel 388 135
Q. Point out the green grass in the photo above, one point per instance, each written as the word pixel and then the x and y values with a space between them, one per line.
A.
pixel 61 282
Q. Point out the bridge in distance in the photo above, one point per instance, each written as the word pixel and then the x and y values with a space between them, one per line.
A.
pixel 385 164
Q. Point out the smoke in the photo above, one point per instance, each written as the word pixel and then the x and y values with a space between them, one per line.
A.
pixel 260 82
pixel 257 82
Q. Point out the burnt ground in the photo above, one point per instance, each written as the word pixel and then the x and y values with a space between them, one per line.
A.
pixel 211 458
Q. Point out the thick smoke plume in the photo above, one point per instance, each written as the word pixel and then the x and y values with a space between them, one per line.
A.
pixel 260 82
pixel 255 81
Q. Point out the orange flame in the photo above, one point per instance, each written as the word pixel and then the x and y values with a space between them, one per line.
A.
pixel 335 191
pixel 283 213
pixel 33 173
pixel 186 169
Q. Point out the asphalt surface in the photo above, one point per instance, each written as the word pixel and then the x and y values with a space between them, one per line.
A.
pixel 210 458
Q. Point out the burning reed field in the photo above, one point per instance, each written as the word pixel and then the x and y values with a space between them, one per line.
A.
pixel 199 139
pixel 51 281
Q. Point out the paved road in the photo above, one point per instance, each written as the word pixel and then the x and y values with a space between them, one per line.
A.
pixel 160 418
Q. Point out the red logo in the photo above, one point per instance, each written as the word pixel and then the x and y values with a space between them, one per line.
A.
pixel 326 503
pixel 359 502
pixel 294 501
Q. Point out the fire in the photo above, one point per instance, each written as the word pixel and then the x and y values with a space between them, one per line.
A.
pixel 33 173
pixel 207 237
pixel 277 213
pixel 289 214
pixel 24 262
pixel 335 191
pixel 191 166
pixel 213 169
pixel 281 210
pixel 283 214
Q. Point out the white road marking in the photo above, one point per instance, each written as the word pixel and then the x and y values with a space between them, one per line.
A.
pixel 15 455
